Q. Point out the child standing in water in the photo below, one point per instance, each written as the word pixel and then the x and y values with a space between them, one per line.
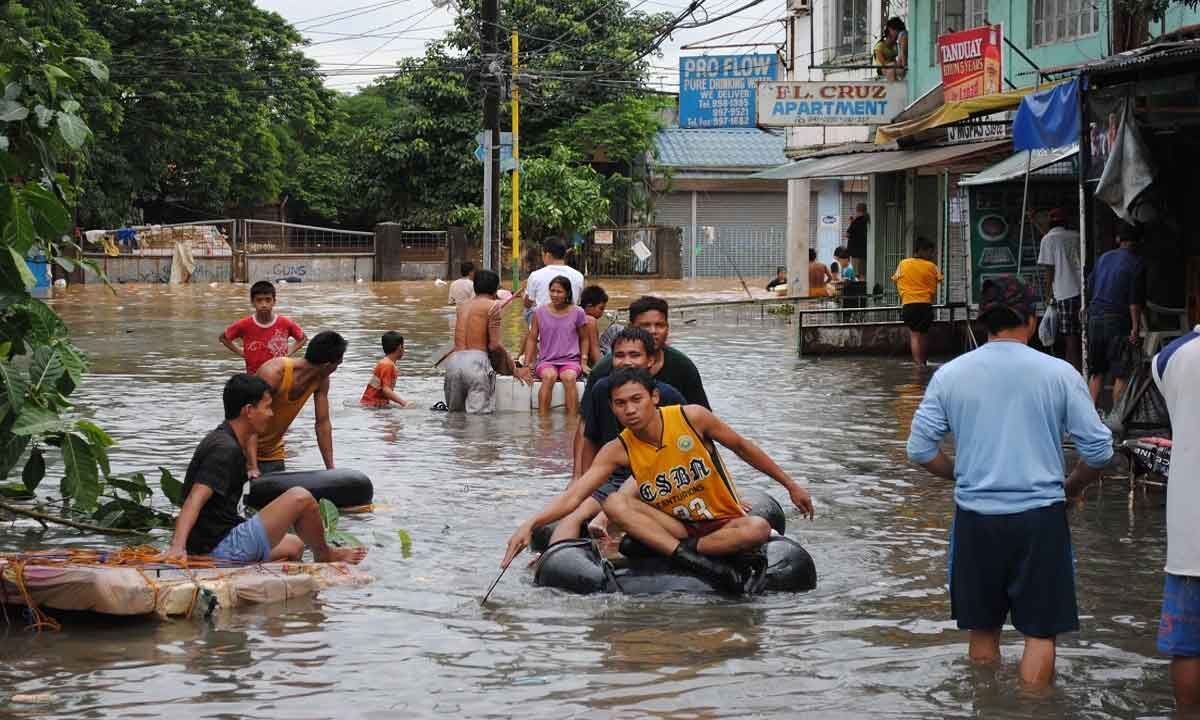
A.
pixel 381 389
pixel 559 334
pixel 264 334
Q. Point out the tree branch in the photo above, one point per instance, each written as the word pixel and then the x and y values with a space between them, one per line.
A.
pixel 43 518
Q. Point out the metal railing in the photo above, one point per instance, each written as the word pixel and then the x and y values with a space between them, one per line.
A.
pixel 204 238
pixel 623 251
pixel 268 237
pixel 730 249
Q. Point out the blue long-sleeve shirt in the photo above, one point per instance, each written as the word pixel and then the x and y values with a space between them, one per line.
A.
pixel 1008 406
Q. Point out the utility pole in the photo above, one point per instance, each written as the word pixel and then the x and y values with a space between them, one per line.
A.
pixel 491 125
pixel 516 176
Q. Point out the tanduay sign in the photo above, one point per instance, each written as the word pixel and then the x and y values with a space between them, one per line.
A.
pixel 795 103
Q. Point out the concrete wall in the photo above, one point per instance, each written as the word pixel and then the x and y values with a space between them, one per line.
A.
pixel 311 268
pixel 156 269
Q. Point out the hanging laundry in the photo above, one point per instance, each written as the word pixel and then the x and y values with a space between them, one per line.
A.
pixel 1128 173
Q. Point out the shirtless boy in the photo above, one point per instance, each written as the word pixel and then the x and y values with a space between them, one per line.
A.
pixel 470 384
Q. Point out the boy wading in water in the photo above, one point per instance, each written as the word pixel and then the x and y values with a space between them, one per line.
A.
pixel 1009 406
pixel 292 383
pixel 478 354
pixel 209 522
pixel 264 334
pixel 680 501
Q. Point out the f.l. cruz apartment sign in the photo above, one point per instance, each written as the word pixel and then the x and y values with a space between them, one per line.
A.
pixel 792 103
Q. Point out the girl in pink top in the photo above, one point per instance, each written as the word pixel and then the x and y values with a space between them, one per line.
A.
pixel 558 329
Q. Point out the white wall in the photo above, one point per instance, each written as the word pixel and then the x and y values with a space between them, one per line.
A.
pixel 801 54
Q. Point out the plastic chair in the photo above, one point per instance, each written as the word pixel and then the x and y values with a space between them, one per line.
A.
pixel 1172 323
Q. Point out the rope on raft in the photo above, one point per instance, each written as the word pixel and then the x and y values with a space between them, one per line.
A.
pixel 138 557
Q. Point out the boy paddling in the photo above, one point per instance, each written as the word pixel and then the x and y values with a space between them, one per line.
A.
pixel 680 501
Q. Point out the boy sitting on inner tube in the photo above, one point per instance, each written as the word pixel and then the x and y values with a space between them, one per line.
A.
pixel 680 500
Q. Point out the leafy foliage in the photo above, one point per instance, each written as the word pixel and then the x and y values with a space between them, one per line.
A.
pixel 329 519
pixel 42 131
pixel 558 197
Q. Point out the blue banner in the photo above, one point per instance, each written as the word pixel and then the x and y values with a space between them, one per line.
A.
pixel 1048 119
pixel 717 91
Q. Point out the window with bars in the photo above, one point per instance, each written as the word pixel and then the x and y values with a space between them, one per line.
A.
pixel 1056 20
pixel 954 16
pixel 850 29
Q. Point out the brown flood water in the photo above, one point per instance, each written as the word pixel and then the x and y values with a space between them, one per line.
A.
pixel 873 639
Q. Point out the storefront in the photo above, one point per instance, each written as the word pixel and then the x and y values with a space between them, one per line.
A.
pixel 1140 164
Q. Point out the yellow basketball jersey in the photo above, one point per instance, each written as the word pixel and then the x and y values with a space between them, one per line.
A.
pixel 681 478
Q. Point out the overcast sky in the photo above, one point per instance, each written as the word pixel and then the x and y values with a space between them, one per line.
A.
pixel 357 40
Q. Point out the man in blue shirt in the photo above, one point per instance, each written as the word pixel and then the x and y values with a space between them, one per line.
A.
pixel 1008 407
pixel 633 347
pixel 1116 292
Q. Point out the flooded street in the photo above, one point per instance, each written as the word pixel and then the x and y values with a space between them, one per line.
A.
pixel 874 638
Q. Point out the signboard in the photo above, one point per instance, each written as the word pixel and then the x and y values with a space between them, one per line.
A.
pixel 717 91
pixel 506 159
pixel 602 237
pixel 970 62
pixel 868 102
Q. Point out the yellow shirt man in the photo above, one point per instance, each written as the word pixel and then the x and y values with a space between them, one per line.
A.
pixel 917 280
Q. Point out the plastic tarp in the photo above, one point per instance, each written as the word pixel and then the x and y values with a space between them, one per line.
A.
pixel 1013 168
pixel 952 112
pixel 866 163
pixel 1048 118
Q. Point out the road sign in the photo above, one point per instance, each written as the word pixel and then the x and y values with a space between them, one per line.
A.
pixel 506 159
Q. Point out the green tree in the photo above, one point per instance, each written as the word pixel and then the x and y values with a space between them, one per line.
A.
pixel 416 165
pixel 558 196
pixel 618 138
pixel 41 132
pixel 211 94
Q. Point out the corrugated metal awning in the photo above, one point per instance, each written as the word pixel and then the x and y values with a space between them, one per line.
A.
pixel 1013 168
pixel 878 162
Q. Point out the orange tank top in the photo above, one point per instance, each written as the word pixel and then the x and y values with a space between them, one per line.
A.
pixel 270 443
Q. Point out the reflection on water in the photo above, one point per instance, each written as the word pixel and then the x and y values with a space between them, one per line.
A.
pixel 874 638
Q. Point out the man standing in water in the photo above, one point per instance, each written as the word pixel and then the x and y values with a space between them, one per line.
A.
pixel 470 383
pixel 1175 371
pixel 1008 407
pixel 680 502
pixel 632 348
pixel 209 522
pixel 292 383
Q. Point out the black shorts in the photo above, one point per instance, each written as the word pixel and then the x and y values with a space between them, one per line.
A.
pixel 610 486
pixel 1108 349
pixel 917 316
pixel 1020 563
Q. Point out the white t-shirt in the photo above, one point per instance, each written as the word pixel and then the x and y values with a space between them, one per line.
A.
pixel 1060 248
pixel 538 284
pixel 461 290
pixel 1175 371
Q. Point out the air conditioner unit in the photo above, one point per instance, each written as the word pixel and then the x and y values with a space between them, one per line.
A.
pixel 799 7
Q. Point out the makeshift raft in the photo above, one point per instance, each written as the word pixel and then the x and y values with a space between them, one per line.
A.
pixel 119 584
